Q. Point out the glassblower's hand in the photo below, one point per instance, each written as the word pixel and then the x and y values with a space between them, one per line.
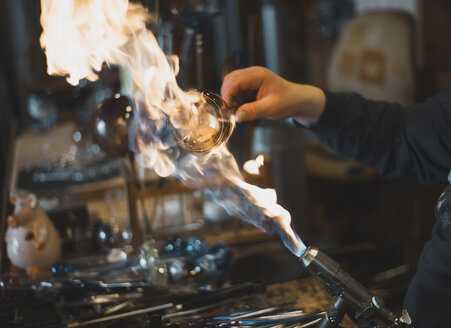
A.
pixel 271 96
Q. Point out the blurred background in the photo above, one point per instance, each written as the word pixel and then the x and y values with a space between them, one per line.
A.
pixel 388 50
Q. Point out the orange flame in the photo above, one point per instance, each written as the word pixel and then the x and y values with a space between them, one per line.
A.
pixel 253 166
pixel 80 36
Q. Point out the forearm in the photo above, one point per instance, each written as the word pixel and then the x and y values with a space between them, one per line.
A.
pixel 399 141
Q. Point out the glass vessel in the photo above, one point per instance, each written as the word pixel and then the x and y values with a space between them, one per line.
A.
pixel 205 128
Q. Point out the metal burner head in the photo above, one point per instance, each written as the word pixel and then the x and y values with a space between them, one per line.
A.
pixel 349 295
pixel 308 256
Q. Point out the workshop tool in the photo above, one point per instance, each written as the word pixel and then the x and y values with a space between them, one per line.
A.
pixel 120 316
pixel 279 319
pixel 93 269
pixel 273 316
pixel 349 296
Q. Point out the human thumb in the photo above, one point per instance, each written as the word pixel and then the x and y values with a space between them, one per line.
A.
pixel 246 112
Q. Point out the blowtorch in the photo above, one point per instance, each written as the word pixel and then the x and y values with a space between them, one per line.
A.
pixel 349 296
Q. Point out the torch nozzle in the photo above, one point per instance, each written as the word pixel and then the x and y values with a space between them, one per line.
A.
pixel 331 274
pixel 349 294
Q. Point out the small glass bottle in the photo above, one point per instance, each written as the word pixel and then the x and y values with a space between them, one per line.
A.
pixel 207 127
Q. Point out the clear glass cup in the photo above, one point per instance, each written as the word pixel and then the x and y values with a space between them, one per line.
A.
pixel 208 126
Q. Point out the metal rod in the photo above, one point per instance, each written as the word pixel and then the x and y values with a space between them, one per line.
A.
pixel 131 178
pixel 119 316
pixel 200 309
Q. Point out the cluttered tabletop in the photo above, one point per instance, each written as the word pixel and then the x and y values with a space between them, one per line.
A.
pixel 184 282
pixel 150 290
pixel 296 303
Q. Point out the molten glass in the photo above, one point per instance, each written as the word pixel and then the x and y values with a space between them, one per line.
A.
pixel 206 125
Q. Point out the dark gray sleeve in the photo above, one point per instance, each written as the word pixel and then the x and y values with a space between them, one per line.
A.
pixel 413 141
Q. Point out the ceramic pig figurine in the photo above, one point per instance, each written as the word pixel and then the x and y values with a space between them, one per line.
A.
pixel 32 240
